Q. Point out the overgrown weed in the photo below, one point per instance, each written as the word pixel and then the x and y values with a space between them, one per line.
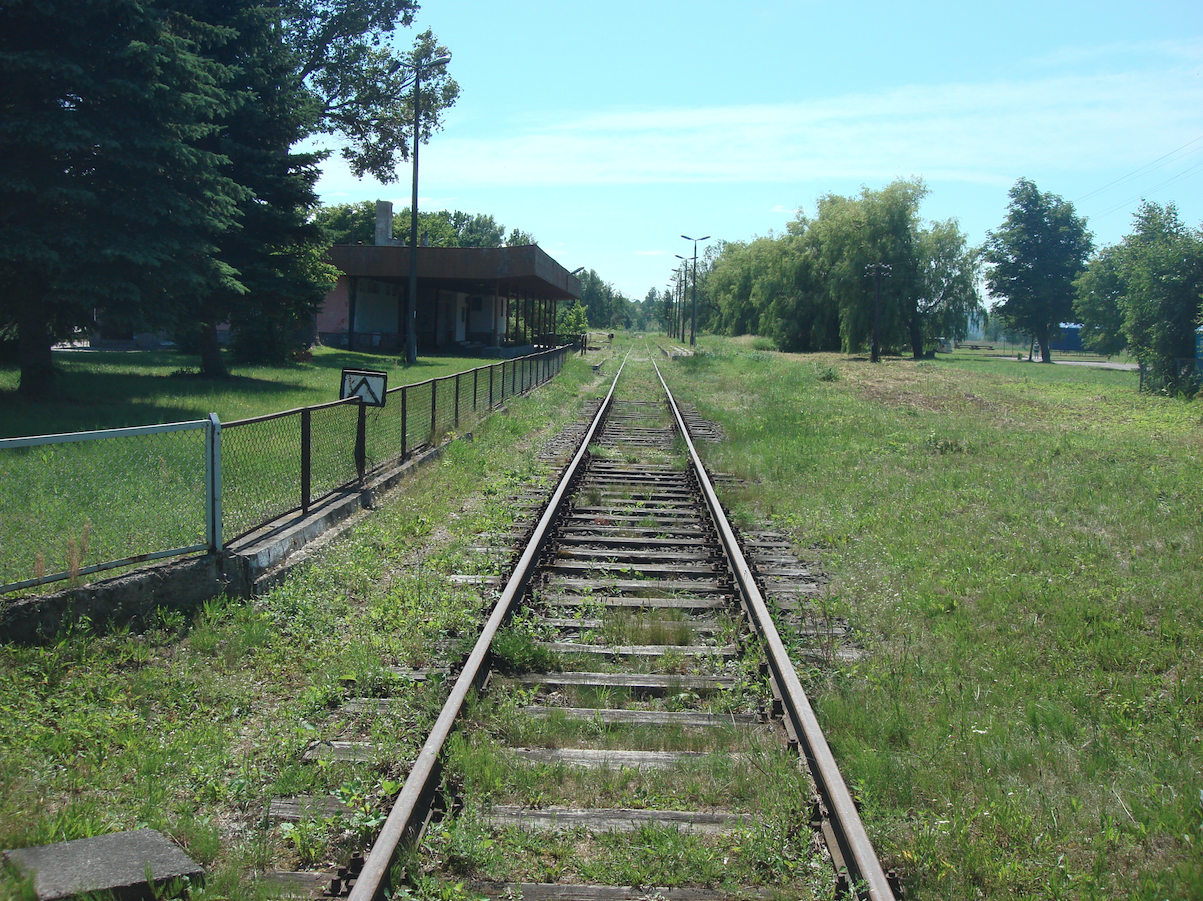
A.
pixel 1018 549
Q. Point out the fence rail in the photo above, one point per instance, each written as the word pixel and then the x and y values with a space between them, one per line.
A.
pixel 115 496
pixel 125 496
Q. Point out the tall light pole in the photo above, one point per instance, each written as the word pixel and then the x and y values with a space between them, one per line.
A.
pixel 684 284
pixel 693 322
pixel 411 299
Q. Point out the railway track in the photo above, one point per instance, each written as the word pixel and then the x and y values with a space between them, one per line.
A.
pixel 628 723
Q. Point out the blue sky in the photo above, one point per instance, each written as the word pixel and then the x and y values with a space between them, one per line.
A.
pixel 610 129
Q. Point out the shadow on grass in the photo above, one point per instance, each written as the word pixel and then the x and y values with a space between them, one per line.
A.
pixel 100 393
pixel 114 389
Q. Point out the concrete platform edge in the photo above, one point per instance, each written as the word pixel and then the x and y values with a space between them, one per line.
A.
pixel 249 565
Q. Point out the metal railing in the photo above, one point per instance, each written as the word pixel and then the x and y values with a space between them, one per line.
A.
pixel 287 462
pixel 114 496
pixel 125 496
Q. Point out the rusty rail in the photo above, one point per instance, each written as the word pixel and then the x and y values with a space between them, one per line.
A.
pixel 410 814
pixel 852 845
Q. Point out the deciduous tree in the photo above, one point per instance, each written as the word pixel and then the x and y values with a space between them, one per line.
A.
pixel 359 85
pixel 1163 291
pixel 1033 259
pixel 1099 302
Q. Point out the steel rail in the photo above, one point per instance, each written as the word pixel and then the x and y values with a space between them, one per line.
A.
pixel 408 817
pixel 864 869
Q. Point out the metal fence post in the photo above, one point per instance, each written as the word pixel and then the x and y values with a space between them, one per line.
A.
pixel 361 441
pixel 213 471
pixel 404 420
pixel 491 368
pixel 434 401
pixel 475 386
pixel 306 458
pixel 457 400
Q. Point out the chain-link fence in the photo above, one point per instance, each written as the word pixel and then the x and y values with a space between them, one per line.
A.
pixel 278 464
pixel 1186 375
pixel 89 501
pixel 76 504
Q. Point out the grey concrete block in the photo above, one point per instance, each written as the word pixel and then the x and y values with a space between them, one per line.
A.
pixel 117 863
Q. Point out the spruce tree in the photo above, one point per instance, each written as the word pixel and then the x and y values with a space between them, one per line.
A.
pixel 109 200
pixel 275 247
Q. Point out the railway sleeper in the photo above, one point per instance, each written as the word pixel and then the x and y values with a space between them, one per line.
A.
pixel 633 748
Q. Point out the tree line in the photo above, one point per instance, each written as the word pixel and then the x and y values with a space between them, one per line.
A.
pixel 863 263
pixel 355 223
pixel 147 171
pixel 870 260
pixel 1143 295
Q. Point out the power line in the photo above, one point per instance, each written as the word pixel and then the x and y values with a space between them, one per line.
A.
pixel 1156 164
pixel 1177 178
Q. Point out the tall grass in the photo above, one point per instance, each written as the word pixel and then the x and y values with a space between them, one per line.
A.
pixel 1018 546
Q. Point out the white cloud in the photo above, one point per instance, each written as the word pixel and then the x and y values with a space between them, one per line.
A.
pixel 981 133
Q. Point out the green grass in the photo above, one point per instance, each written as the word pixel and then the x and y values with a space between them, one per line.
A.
pixel 765 781
pixel 108 500
pixel 112 389
pixel 195 725
pixel 1018 548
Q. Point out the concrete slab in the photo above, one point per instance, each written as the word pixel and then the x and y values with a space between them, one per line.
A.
pixel 117 863
pixel 268 553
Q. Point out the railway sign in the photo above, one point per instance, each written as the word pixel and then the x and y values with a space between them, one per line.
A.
pixel 369 385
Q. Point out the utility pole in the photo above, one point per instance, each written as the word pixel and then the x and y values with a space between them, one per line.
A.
pixel 693 322
pixel 411 299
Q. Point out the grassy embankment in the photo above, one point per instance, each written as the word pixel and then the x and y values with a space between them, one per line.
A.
pixel 195 726
pixel 1018 548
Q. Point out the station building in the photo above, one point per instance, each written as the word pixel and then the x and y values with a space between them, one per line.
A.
pixel 499 301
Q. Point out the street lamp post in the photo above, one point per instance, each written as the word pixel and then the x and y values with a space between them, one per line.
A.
pixel 693 321
pixel 411 299
pixel 683 283
pixel 878 271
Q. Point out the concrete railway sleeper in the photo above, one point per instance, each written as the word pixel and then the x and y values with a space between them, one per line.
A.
pixel 628 724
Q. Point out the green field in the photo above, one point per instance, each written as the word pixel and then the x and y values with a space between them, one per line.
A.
pixel 95 502
pixel 111 389
pixel 1018 549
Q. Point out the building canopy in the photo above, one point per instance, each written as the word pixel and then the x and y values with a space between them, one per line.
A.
pixel 525 271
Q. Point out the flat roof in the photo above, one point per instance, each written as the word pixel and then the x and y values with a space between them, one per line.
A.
pixel 526 270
